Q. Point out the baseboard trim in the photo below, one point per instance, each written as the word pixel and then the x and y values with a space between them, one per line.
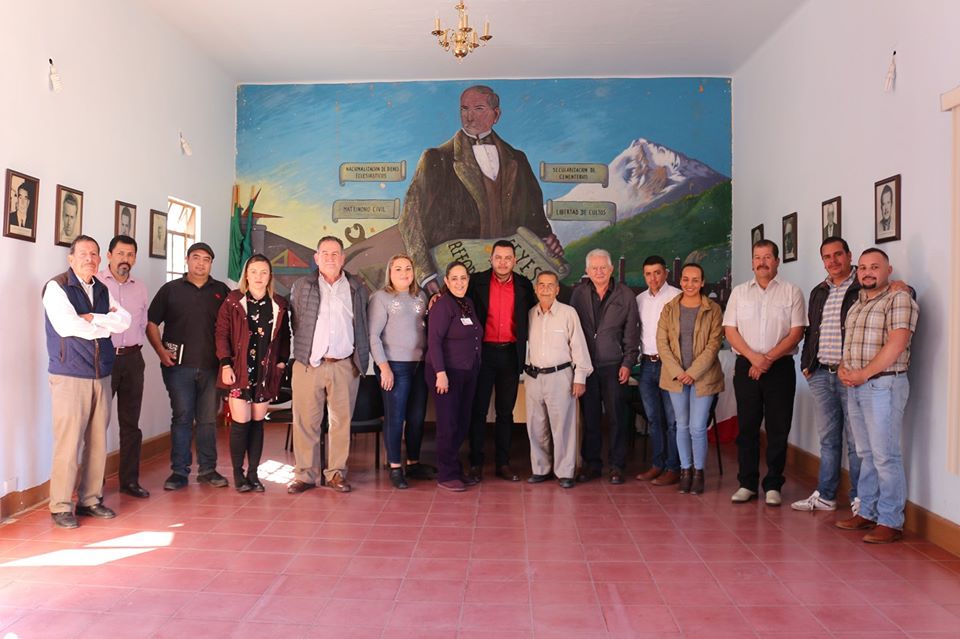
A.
pixel 20 500
pixel 917 520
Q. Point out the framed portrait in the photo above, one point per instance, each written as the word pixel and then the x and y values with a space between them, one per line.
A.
pixel 790 237
pixel 886 204
pixel 158 233
pixel 69 219
pixel 756 234
pixel 20 210
pixel 125 219
pixel 830 218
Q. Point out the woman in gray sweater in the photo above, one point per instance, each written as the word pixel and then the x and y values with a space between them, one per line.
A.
pixel 398 339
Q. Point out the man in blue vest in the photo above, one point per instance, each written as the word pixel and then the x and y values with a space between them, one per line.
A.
pixel 80 316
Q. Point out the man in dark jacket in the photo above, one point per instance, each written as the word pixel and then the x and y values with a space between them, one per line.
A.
pixel 611 324
pixel 503 300
pixel 80 316
pixel 331 347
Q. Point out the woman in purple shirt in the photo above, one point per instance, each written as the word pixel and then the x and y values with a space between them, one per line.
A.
pixel 454 335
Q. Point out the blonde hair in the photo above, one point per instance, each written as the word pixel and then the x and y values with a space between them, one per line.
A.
pixel 388 285
pixel 259 257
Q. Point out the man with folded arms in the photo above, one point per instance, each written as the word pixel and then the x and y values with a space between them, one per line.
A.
pixel 876 356
pixel 80 314
pixel 558 364
pixel 764 322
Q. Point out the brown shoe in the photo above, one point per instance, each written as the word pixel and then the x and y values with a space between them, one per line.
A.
pixel 883 535
pixel 686 480
pixel 338 483
pixel 696 486
pixel 668 478
pixel 296 487
pixel 651 474
pixel 855 523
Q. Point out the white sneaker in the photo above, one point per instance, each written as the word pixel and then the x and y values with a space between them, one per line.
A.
pixel 773 498
pixel 855 506
pixel 743 495
pixel 814 502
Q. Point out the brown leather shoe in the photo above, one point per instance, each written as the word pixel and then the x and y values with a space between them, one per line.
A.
pixel 696 486
pixel 686 480
pixel 338 483
pixel 668 478
pixel 883 535
pixel 505 472
pixel 296 487
pixel 855 523
pixel 650 474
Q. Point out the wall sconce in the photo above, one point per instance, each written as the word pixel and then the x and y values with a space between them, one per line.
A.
pixel 56 84
pixel 185 146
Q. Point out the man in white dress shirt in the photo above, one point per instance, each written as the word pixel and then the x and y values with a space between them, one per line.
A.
pixel 764 321
pixel 558 364
pixel 80 315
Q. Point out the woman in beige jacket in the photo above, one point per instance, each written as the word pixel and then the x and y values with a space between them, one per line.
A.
pixel 689 336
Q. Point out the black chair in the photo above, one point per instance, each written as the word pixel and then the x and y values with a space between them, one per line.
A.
pixel 712 423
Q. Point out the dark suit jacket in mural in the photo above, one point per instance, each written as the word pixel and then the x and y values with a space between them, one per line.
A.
pixel 447 199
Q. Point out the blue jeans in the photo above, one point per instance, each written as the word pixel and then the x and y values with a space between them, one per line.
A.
pixel 876 415
pixel 692 413
pixel 833 424
pixel 193 398
pixel 405 402
pixel 659 410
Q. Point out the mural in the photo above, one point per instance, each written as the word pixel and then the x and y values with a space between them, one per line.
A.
pixel 635 166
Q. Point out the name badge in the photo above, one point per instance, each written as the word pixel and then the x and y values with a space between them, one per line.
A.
pixel 466 321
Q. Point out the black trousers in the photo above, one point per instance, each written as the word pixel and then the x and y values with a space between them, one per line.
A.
pixel 499 373
pixel 769 398
pixel 126 383
pixel 604 395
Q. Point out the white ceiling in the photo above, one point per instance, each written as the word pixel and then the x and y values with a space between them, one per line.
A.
pixel 364 40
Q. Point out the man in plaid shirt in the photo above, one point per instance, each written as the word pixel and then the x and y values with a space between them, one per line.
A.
pixel 876 356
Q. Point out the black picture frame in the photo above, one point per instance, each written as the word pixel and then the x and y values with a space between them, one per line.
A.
pixel 886 209
pixel 831 208
pixel 18 223
pixel 789 237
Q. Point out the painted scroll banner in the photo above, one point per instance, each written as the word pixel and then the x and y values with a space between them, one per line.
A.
pixel 373 172
pixel 572 211
pixel 366 210
pixel 576 173
pixel 532 254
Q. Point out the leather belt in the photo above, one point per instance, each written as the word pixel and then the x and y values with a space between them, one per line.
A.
pixel 332 360
pixel 126 350
pixel 500 345
pixel 888 373
pixel 533 371
pixel 830 368
pixel 650 358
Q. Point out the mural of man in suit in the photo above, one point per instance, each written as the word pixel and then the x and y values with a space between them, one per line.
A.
pixel 474 185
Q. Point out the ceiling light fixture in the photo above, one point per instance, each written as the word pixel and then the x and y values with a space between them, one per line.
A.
pixel 463 39
pixel 185 146
pixel 890 81
pixel 55 82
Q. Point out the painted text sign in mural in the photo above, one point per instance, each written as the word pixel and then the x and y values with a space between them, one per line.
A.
pixel 373 172
pixel 563 211
pixel 366 210
pixel 575 173
pixel 532 255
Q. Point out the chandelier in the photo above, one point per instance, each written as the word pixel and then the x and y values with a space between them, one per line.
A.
pixel 464 38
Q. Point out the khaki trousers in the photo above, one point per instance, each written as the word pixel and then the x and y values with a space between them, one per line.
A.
pixel 81 412
pixel 334 385
pixel 552 414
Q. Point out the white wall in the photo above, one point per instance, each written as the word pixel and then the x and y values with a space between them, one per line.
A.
pixel 811 121
pixel 130 84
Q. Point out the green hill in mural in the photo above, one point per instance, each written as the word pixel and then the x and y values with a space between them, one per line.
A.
pixel 698 223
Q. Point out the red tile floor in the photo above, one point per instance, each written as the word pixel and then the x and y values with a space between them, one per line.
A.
pixel 500 561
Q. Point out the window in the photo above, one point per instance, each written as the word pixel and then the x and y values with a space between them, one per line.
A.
pixel 183 229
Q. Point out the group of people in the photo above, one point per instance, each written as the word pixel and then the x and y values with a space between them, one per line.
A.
pixel 470 343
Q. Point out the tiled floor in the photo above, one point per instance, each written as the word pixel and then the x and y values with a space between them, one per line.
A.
pixel 502 561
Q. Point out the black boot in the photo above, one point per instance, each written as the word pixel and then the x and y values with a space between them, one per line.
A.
pixel 238 450
pixel 696 488
pixel 254 452
pixel 397 478
pixel 686 478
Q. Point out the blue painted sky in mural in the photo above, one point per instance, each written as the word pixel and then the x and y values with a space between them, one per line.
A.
pixel 299 134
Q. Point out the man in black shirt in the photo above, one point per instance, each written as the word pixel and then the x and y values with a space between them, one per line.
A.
pixel 188 308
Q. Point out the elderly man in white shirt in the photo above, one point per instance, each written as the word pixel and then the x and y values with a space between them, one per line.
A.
pixel 80 315
pixel 764 321
pixel 558 364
